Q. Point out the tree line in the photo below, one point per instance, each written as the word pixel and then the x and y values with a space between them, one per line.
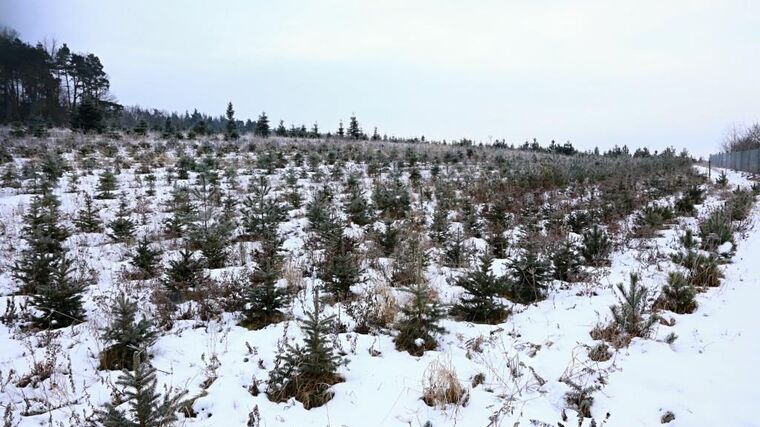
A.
pixel 51 85
pixel 44 86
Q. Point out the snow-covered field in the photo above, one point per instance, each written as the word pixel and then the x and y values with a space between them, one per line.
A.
pixel 707 376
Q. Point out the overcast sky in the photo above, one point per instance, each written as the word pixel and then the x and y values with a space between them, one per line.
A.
pixel 644 73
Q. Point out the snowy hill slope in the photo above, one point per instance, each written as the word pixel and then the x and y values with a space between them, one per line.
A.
pixel 518 372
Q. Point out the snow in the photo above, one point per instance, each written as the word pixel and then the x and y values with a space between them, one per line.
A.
pixel 707 377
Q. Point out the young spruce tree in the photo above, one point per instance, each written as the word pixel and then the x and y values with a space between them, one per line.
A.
pixel 419 324
pixel 44 237
pixel 566 262
pixel 146 259
pixel 264 300
pixel 88 218
pixel 528 277
pixel 183 274
pixel 482 289
pixel 341 267
pixel 122 227
pixel 261 212
pixel 125 334
pixel 147 408
pixel 106 185
pixel 59 299
pixel 307 372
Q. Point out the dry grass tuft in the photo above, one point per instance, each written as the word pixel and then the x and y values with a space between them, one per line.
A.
pixel 441 386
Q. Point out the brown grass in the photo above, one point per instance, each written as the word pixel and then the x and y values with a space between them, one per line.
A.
pixel 441 386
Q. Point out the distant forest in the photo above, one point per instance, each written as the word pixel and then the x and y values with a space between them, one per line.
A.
pixel 45 86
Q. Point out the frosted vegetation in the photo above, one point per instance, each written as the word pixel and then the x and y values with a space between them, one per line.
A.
pixel 151 281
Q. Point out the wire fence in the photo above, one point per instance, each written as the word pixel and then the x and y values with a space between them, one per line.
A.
pixel 747 161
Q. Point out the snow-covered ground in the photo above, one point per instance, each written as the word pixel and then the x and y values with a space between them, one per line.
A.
pixel 706 377
pixel 709 375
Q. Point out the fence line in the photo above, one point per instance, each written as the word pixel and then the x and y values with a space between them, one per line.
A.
pixel 747 160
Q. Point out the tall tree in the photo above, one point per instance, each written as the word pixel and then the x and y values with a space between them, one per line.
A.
pixel 230 130
pixel 354 131
pixel 262 126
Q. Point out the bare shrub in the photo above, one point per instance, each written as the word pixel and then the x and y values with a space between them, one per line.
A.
pixel 739 139
pixel 376 309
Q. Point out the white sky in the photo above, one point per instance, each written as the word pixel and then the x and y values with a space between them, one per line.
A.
pixel 643 73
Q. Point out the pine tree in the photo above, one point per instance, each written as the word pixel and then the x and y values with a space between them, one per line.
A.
pixel 497 242
pixel 354 131
pixel 314 131
pixel 722 180
pixel 183 212
pixel 10 177
pixel 411 260
pixel 387 237
pixel 528 277
pixel 107 184
pixel 341 133
pixel 88 218
pixel 306 372
pixel 262 213
pixel 716 229
pixel 262 126
pixel 264 300
pixel 125 334
pixel 122 227
pixel 318 210
pixel 141 128
pixel 678 295
pixel 293 196
pixel 169 131
pixel 281 129
pixel 42 229
pixel 147 408
pixel 44 238
pixel 34 270
pixel 200 128
pixel 151 191
pixel 439 228
pixel 88 116
pixel 596 246
pixel 230 130
pixel 470 220
pixel 59 299
pixel 183 274
pixel 208 233
pixel 419 324
pixel 482 288
pixel 566 262
pixel 146 259
pixel 341 267
pixel 392 199
pixel 456 253
pixel 687 240
pixel 630 315
pixel 358 208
